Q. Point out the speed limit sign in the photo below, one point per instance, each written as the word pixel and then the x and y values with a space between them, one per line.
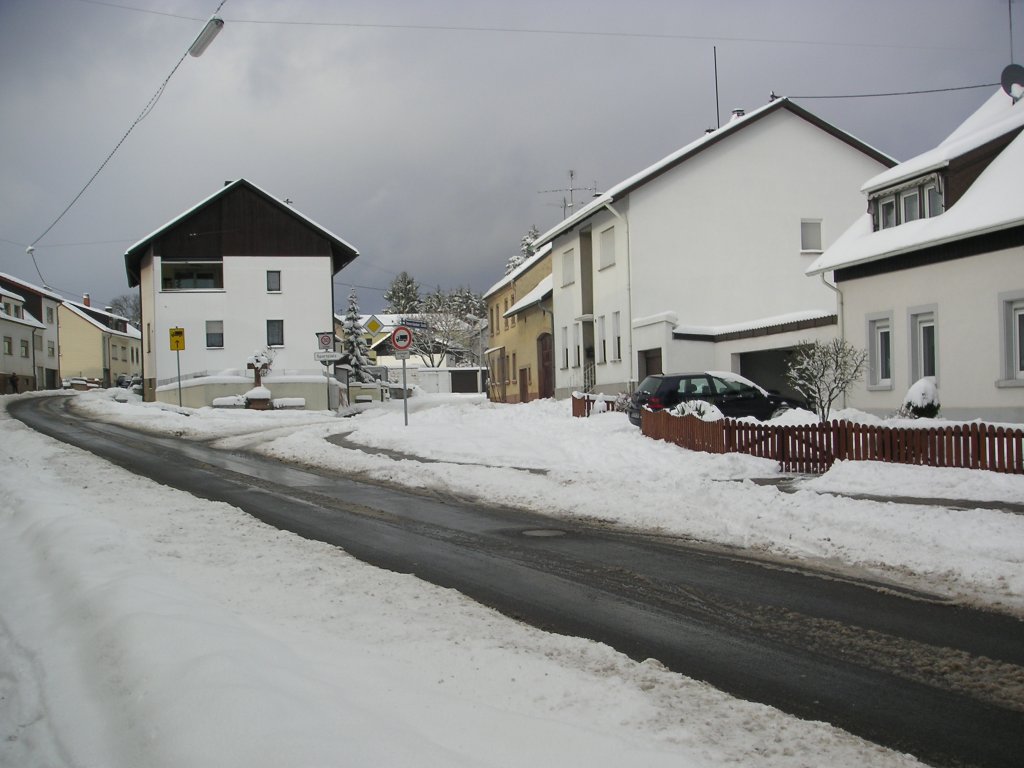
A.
pixel 401 338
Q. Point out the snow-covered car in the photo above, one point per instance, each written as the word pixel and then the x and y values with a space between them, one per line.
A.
pixel 735 396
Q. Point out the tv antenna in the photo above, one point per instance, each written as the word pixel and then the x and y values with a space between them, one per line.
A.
pixel 568 205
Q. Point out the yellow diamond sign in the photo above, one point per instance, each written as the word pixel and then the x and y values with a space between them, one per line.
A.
pixel 373 325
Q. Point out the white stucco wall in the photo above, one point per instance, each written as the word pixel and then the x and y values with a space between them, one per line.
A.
pixel 716 241
pixel 965 294
pixel 244 305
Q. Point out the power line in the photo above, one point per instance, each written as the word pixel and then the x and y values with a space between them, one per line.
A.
pixel 563 32
pixel 142 115
pixel 897 93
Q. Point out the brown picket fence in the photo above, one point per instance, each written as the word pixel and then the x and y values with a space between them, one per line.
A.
pixel 812 448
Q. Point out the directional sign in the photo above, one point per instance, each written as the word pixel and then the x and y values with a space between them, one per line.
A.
pixel 325 339
pixel 177 339
pixel 327 357
pixel 401 338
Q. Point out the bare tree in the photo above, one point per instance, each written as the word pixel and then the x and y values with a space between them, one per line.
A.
pixel 128 305
pixel 821 372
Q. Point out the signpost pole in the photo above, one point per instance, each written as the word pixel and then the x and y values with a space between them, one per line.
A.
pixel 405 395
pixel 177 338
pixel 177 354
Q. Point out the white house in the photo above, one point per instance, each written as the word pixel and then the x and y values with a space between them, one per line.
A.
pixel 932 277
pixel 41 304
pixel 19 331
pixel 698 261
pixel 239 272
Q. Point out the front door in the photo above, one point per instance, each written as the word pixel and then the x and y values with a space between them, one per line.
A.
pixel 545 365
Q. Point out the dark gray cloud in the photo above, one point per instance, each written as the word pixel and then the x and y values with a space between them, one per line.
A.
pixel 427 147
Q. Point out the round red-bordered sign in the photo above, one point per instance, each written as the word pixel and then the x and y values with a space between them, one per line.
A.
pixel 401 338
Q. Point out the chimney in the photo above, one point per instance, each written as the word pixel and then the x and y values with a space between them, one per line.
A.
pixel 85 300
pixel 109 310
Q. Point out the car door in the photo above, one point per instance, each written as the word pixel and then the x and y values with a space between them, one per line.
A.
pixel 736 399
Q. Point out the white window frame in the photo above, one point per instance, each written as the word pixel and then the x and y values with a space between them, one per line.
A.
pixel 616 336
pixel 606 244
pixel 271 289
pixel 213 330
pixel 920 319
pixel 879 327
pixel 810 236
pixel 1011 339
pixel 905 196
pixel 925 194
pixel 882 203
pixel 568 267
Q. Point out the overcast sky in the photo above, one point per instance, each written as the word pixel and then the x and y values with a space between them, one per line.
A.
pixel 425 132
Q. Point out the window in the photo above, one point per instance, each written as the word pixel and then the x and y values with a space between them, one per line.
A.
pixel 24 347
pixel 932 200
pixel 215 334
pixel 124 353
pixel 565 346
pixel 191 276
pixel 505 314
pixel 602 343
pixel 50 349
pixel 275 333
pixel 616 337
pixel 880 352
pixel 49 315
pixel 887 213
pixel 8 345
pixel 923 349
pixel 273 281
pixel 37 343
pixel 569 267
pixel 113 352
pixel 910 205
pixel 607 246
pixel 1011 332
pixel 515 368
pixel 810 235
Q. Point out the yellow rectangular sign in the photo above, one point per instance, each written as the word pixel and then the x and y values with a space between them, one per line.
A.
pixel 177 339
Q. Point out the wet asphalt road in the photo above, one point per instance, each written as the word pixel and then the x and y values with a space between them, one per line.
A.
pixel 906 670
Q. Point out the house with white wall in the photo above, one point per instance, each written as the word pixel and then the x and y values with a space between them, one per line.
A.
pixel 698 261
pixel 42 304
pixel 932 276
pixel 239 272
pixel 97 344
pixel 19 332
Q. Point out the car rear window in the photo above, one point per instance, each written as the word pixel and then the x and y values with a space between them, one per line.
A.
pixel 649 385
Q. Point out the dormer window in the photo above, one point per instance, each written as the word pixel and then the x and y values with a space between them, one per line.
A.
pixel 909 202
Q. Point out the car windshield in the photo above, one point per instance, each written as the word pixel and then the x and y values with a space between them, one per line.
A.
pixel 649 385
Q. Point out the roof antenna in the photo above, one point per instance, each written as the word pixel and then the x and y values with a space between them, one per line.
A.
pixel 718 111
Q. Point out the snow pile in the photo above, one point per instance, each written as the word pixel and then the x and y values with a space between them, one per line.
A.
pixel 183 632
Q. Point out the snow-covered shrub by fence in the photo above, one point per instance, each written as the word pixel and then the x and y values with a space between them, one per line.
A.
pixel 813 448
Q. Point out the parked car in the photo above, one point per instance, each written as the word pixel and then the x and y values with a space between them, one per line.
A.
pixel 735 396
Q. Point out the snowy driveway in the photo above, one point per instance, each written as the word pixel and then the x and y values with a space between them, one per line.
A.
pixel 895 670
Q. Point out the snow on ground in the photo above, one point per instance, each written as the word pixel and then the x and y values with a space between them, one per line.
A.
pixel 142 626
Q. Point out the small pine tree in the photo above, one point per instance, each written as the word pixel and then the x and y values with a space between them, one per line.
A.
pixel 353 345
pixel 526 250
pixel 403 295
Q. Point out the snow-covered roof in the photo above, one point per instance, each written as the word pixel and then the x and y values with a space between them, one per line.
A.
pixel 27 318
pixel 29 286
pixel 537 295
pixel 996 117
pixel 522 268
pixel 754 325
pixel 11 294
pixel 134 254
pixel 992 203
pixel 707 140
pixel 80 311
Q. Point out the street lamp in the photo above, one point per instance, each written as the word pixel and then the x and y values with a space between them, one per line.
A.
pixel 210 31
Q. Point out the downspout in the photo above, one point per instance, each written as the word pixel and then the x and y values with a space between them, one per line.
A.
pixel 35 370
pixel 631 384
pixel 840 312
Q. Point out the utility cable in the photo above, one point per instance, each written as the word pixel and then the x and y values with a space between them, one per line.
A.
pixel 898 93
pixel 142 115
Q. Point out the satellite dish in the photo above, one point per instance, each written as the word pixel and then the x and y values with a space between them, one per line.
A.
pixel 1012 81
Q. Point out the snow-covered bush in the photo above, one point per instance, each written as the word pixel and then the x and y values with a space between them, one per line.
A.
pixel 921 400
pixel 701 409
